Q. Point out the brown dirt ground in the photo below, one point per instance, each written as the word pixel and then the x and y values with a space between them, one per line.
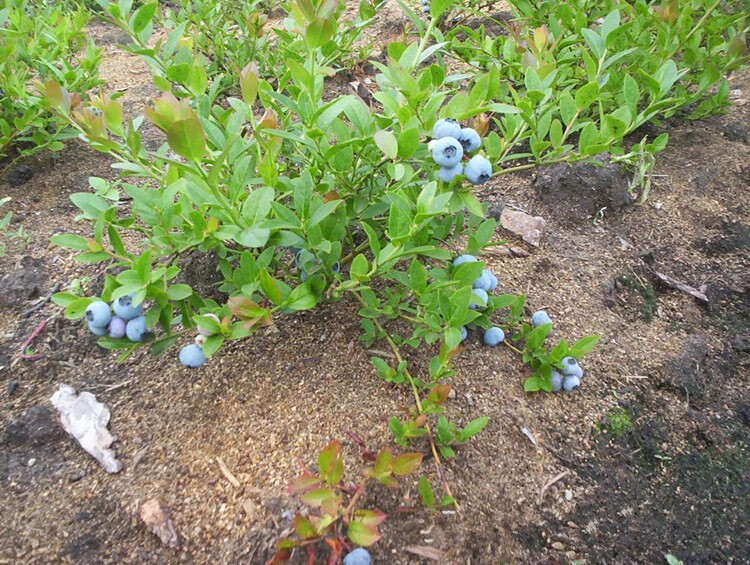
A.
pixel 676 483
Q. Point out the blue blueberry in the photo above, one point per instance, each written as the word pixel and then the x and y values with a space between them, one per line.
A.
pixel 125 309
pixel 571 368
pixel 359 556
pixel 136 329
pixel 483 298
pixel 556 379
pixel 478 170
pixel 192 356
pixel 461 259
pixel 540 318
pixel 493 281
pixel 426 9
pixel 447 152
pixel 425 2
pixel 98 314
pixel 484 281
pixel 570 382
pixel 494 336
pixel 297 257
pixel 117 327
pixel 303 275
pixel 464 333
pixel 469 140
pixel 448 174
pixel 97 330
pixel 336 267
pixel 446 128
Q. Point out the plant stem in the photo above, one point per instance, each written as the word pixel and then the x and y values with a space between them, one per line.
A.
pixel 417 401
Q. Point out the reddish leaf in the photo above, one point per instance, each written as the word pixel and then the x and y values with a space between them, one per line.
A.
pixel 336 550
pixel 439 394
pixel 304 527
pixel 330 463
pixel 370 517
pixel 323 498
pixel 406 463
pixel 304 483
pixel 383 460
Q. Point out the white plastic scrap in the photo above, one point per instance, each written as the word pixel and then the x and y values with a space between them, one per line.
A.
pixel 86 420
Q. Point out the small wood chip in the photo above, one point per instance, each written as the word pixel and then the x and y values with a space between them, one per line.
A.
pixel 681 286
pixel 227 473
pixel 528 434
pixel 550 483
pixel 425 551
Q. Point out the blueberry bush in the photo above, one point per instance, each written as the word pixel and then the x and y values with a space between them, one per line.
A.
pixel 304 198
pixel 40 41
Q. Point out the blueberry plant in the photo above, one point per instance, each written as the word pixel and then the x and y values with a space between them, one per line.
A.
pixel 303 200
pixel 40 41
pixel 205 41
pixel 339 517
pixel 597 71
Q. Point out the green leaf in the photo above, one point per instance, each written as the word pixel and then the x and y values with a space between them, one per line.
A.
pixel 304 527
pixel 408 141
pixel 187 138
pixel 387 143
pixel 319 32
pixel 586 95
pixel 362 534
pixel 473 428
pixel 583 346
pixel 143 16
pixel 425 492
pixel 70 241
pixel 179 291
pixel 406 463
pixel 301 298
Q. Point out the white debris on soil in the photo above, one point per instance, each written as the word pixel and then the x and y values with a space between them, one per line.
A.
pixel 156 517
pixel 86 420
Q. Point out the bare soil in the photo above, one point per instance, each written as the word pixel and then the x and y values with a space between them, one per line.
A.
pixel 677 482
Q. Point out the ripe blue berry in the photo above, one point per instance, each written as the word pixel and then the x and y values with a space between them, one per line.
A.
pixel 540 318
pixel 98 314
pixel 447 152
pixel 192 356
pixel 303 275
pixel 448 174
pixel 464 333
pixel 425 2
pixel 478 170
pixel 117 327
pixel 97 330
pixel 556 379
pixel 494 336
pixel 479 296
pixel 469 140
pixel 571 368
pixel 125 309
pixel 136 329
pixel 461 259
pixel 493 281
pixel 570 382
pixel 359 556
pixel 426 9
pixel 446 128
pixel 206 332
pixel 484 281
pixel 336 267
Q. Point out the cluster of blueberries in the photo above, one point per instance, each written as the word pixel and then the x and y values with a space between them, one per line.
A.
pixel 451 142
pixel 486 283
pixel 572 373
pixel 426 6
pixel 128 321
